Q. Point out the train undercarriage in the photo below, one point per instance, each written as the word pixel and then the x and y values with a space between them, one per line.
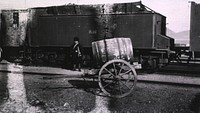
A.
pixel 149 59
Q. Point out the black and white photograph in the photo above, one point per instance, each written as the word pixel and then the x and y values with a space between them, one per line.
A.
pixel 100 56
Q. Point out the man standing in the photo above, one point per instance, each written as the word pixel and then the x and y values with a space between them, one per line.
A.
pixel 76 54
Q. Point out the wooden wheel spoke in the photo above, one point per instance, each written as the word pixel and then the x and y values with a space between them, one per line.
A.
pixel 126 72
pixel 113 88
pixel 125 85
pixel 110 76
pixel 107 78
pixel 107 85
pixel 121 77
pixel 109 72
pixel 120 69
pixel 115 78
pixel 128 78
pixel 115 70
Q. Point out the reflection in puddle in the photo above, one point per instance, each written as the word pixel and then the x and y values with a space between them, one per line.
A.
pixel 17 101
pixel 3 87
pixel 101 105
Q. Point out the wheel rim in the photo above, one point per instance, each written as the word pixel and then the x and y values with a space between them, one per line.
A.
pixel 117 78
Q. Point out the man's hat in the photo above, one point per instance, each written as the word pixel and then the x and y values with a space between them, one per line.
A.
pixel 76 39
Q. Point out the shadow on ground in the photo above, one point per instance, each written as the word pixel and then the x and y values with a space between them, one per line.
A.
pixel 195 104
pixel 87 85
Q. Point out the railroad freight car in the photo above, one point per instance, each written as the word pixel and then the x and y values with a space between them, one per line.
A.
pixel 191 52
pixel 194 30
pixel 148 34
pixel 13 32
pixel 51 30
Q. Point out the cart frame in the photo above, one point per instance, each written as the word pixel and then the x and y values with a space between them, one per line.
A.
pixel 116 77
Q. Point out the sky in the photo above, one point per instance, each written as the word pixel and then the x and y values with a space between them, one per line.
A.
pixel 176 11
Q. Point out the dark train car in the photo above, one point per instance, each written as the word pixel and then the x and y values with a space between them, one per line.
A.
pixel 56 33
pixel 13 32
pixel 50 30
pixel 60 30
pixel 148 34
pixel 194 29
pixel 192 52
pixel 145 30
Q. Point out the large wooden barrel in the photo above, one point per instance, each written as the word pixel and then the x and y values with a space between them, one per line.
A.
pixel 109 49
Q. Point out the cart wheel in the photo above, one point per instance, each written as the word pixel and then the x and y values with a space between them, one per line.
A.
pixel 117 78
